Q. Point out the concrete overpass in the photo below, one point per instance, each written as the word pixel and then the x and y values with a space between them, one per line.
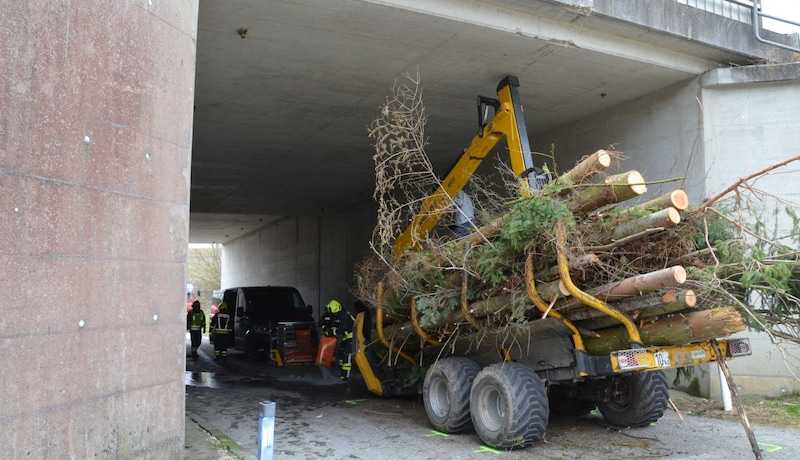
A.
pixel 113 114
pixel 281 110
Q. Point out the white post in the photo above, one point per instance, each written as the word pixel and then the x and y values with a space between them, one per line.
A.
pixel 266 430
pixel 727 404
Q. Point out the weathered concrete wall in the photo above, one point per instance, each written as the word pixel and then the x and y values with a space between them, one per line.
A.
pixel 95 136
pixel 751 122
pixel 315 254
pixel 751 117
pixel 284 253
pixel 658 136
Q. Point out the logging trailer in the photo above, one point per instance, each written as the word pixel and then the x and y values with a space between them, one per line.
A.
pixel 505 385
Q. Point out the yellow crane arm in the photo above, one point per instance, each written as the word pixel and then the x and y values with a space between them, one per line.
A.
pixel 508 122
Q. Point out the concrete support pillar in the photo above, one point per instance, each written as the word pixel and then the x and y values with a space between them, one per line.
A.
pixel 95 144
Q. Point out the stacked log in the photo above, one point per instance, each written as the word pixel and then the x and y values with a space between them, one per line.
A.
pixel 683 329
pixel 660 300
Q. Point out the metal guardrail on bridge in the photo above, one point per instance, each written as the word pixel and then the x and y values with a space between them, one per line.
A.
pixel 731 9
pixel 757 18
pixel 748 12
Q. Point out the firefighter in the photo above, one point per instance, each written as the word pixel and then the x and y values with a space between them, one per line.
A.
pixel 222 332
pixel 336 322
pixel 196 325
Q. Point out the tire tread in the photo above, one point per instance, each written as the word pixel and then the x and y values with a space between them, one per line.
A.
pixel 652 401
pixel 529 406
pixel 460 371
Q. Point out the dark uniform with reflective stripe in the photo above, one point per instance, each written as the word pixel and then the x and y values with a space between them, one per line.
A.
pixel 196 325
pixel 339 323
pixel 222 330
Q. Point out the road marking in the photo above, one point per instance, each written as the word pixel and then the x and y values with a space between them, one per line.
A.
pixel 436 433
pixel 769 447
pixel 354 401
pixel 487 449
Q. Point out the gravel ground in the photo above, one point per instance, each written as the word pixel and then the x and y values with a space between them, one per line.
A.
pixel 317 417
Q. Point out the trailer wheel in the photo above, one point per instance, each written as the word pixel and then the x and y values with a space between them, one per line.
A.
pixel 509 406
pixel 636 400
pixel 446 393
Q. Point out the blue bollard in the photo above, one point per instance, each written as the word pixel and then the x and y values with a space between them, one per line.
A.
pixel 266 430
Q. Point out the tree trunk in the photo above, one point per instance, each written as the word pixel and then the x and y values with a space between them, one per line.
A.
pixel 479 309
pixel 674 330
pixel 552 290
pixel 676 199
pixel 614 189
pixel 585 170
pixel 640 302
pixel 629 287
pixel 667 217
pixel 575 264
pixel 649 306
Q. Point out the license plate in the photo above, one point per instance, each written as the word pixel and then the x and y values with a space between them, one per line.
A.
pixel 662 359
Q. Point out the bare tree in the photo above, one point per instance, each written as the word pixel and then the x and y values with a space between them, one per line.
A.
pixel 205 268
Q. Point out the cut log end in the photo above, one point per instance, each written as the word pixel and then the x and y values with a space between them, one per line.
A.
pixel 669 297
pixel 690 298
pixel 633 179
pixel 679 273
pixel 636 181
pixel 679 199
pixel 603 158
pixel 673 215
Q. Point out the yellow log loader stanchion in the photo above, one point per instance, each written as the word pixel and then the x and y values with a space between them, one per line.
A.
pixel 360 357
pixel 415 324
pixel 379 326
pixel 530 287
pixel 597 304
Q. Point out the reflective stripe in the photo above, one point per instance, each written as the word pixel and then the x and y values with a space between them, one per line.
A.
pixel 198 318
pixel 222 320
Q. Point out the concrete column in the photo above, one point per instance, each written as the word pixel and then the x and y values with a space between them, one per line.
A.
pixel 95 143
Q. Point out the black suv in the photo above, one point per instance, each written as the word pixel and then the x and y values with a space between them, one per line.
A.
pixel 267 318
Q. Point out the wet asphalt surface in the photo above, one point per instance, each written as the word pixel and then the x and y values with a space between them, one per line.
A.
pixel 318 417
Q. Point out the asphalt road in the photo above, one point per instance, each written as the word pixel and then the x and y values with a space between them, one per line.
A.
pixel 317 417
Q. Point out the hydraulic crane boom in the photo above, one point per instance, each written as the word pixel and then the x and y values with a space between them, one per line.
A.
pixel 508 122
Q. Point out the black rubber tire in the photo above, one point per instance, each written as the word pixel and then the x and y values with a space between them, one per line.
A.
pixel 509 406
pixel 445 393
pixel 637 399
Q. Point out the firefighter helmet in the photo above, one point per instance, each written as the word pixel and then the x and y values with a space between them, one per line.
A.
pixel 223 306
pixel 334 306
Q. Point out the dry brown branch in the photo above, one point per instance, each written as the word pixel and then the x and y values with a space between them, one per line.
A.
pixel 738 183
